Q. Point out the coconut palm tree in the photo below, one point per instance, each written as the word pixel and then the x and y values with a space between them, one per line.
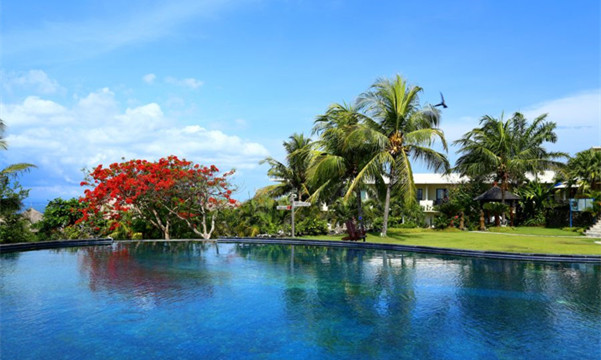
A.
pixel 399 130
pixel 291 176
pixel 337 160
pixel 507 150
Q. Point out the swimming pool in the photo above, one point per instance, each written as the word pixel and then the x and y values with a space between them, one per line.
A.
pixel 196 300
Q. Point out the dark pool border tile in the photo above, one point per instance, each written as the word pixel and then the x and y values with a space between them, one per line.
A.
pixel 423 249
pixel 5 248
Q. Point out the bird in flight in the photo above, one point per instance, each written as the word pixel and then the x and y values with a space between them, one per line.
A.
pixel 442 103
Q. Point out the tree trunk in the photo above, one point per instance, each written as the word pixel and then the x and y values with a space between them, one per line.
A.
pixel 386 209
pixel 503 188
pixel 166 231
pixel 206 234
pixel 482 227
pixel 359 208
pixel 159 224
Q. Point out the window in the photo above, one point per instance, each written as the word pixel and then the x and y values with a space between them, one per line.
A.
pixel 441 194
pixel 420 194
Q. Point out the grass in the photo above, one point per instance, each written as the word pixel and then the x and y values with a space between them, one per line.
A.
pixel 520 242
pixel 535 230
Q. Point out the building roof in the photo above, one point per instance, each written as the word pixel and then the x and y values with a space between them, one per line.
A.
pixel 546 177
pixel 33 215
pixel 429 178
pixel 495 194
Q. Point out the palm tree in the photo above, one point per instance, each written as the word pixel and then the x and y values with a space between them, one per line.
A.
pixel 535 197
pixel 584 169
pixel 400 131
pixel 337 160
pixel 291 175
pixel 507 150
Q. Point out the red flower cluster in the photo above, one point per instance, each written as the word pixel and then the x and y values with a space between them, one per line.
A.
pixel 169 186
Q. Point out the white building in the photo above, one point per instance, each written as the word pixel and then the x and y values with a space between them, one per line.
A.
pixel 433 189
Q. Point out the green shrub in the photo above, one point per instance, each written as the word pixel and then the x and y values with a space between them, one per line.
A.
pixel 537 220
pixel 579 230
pixel 311 226
pixel 407 225
pixel 441 222
pixel 75 232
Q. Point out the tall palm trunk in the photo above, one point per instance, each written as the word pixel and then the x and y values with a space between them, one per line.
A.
pixel 503 189
pixel 359 208
pixel 386 207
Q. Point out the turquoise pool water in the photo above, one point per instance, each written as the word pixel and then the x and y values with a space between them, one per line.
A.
pixel 241 301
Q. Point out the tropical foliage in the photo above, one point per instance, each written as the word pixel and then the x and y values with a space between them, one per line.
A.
pixel 291 176
pixel 505 150
pixel 59 221
pixel 13 227
pixel 536 197
pixel 401 130
pixel 584 170
pixel 337 160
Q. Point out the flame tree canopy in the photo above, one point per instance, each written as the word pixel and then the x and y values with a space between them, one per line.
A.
pixel 160 192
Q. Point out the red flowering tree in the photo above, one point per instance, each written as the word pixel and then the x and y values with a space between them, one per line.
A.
pixel 160 192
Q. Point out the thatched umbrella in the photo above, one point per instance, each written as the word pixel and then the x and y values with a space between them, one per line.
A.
pixel 494 194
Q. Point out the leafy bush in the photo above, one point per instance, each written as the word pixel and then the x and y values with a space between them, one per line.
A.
pixel 311 226
pixel 441 222
pixel 579 230
pixel 76 232
pixel 14 229
pixel 408 225
pixel 59 220
pixel 537 219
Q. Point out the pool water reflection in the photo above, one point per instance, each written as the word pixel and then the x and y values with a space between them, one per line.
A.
pixel 196 300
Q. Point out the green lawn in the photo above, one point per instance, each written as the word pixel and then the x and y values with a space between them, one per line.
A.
pixel 533 230
pixel 485 241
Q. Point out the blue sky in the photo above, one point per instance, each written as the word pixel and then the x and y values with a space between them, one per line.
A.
pixel 225 82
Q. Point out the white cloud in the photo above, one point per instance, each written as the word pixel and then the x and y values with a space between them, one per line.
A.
pixel 95 130
pixel 578 119
pixel 188 82
pixel 33 80
pixel 576 111
pixel 149 78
